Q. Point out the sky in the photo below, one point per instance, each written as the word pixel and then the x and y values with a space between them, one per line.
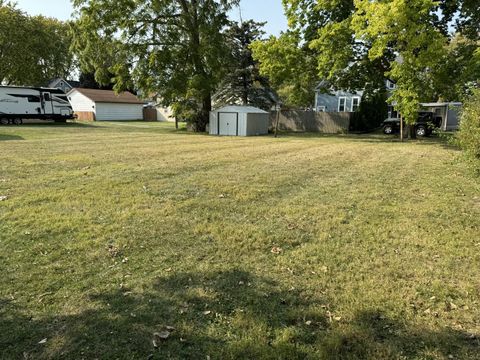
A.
pixel 258 10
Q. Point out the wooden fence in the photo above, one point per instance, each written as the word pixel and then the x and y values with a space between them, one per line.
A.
pixel 311 121
pixel 85 115
pixel 150 114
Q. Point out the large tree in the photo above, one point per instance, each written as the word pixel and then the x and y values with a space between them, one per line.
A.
pixel 243 84
pixel 34 49
pixel 358 43
pixel 174 49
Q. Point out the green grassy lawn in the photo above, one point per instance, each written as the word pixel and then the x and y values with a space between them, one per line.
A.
pixel 302 247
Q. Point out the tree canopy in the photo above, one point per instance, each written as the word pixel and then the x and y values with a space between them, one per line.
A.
pixel 174 49
pixel 289 67
pixel 36 43
pixel 357 44
pixel 243 84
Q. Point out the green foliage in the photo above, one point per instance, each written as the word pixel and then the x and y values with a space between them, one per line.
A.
pixel 173 49
pixel 371 112
pixel 243 84
pixel 468 138
pixel 289 67
pixel 33 50
pixel 358 43
pixel 87 80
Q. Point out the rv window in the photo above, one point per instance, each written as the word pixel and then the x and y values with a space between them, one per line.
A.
pixel 46 96
pixel 33 99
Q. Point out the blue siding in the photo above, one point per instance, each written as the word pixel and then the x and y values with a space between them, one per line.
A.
pixel 331 101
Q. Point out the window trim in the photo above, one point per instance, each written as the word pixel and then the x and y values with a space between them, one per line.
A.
pixel 353 99
pixel 344 104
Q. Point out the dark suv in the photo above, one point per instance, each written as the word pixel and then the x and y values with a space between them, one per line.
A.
pixel 425 124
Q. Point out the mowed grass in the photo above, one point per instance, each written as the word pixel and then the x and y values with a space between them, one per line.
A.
pixel 302 247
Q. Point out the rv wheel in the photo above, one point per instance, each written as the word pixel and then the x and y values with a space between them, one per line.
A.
pixel 17 121
pixel 4 121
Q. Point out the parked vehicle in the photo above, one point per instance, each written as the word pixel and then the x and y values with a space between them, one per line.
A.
pixel 424 126
pixel 19 103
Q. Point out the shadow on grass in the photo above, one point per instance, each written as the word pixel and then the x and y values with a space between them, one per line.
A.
pixel 374 137
pixel 4 137
pixel 223 315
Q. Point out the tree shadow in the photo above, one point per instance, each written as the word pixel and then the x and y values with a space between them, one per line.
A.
pixel 374 138
pixel 223 315
pixel 5 137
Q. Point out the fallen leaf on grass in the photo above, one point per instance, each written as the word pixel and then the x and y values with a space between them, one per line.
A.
pixel 276 250
pixel 3 198
pixel 451 306
pixel 207 312
pixel 43 341
pixel 163 335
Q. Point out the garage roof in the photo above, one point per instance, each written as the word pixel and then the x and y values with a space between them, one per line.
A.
pixel 108 96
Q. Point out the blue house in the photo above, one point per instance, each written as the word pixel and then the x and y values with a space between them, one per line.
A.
pixel 328 100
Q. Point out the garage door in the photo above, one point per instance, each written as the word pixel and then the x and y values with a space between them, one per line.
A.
pixel 228 124
pixel 116 112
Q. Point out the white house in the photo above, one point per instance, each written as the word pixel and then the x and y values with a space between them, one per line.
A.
pixel 105 105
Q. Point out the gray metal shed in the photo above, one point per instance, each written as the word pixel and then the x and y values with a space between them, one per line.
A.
pixel 239 121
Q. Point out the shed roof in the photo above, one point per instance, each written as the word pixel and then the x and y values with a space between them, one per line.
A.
pixel 109 96
pixel 241 109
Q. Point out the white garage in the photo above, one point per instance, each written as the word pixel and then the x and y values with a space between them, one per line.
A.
pixel 105 105
pixel 239 121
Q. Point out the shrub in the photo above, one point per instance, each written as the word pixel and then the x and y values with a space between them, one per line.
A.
pixel 468 137
pixel 371 113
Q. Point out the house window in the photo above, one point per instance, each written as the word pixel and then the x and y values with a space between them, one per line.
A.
pixel 390 85
pixel 342 104
pixel 321 108
pixel 355 103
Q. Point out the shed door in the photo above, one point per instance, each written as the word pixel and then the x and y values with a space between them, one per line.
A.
pixel 228 124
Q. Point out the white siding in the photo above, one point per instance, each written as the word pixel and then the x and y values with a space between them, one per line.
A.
pixel 114 112
pixel 251 121
pixel 80 103
pixel 17 105
pixel 165 114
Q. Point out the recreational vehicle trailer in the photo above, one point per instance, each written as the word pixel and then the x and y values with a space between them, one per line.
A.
pixel 19 103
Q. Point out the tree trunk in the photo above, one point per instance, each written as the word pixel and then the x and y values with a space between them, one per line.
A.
pixel 176 122
pixel 411 132
pixel 277 121
pixel 203 117
pixel 401 128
